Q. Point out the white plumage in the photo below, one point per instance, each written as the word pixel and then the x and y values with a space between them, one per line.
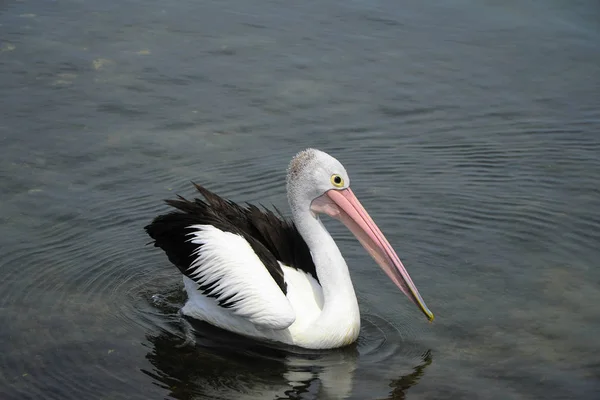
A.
pixel 261 309
pixel 227 260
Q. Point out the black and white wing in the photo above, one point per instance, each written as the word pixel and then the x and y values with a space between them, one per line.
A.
pixel 232 253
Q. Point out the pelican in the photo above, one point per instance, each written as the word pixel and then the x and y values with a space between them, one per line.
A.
pixel 257 274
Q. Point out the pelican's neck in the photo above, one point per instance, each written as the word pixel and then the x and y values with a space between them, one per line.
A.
pixel 340 307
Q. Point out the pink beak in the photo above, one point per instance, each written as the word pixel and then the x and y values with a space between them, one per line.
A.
pixel 344 206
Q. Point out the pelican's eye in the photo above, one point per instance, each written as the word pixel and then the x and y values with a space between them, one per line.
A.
pixel 337 180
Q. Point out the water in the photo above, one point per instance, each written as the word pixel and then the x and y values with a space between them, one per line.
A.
pixel 470 132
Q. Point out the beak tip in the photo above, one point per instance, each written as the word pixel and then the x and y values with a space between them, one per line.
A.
pixel 429 315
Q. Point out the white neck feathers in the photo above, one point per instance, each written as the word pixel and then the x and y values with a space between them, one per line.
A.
pixel 339 320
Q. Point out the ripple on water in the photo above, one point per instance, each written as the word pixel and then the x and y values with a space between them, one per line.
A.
pixel 62 290
pixel 217 364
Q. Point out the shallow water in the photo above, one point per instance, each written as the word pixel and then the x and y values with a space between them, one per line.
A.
pixel 470 132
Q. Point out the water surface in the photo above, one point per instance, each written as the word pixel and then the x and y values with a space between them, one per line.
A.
pixel 470 132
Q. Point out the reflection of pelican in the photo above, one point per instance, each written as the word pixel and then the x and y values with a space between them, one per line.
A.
pixel 405 382
pixel 232 367
pixel 250 272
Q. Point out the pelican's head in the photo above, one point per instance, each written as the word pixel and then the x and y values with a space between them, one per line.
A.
pixel 319 183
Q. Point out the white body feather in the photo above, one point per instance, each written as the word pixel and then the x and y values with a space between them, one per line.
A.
pixel 262 310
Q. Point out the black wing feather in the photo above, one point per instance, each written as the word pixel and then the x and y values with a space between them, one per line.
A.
pixel 273 238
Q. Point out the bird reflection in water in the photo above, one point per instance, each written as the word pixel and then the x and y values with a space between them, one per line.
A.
pixel 214 364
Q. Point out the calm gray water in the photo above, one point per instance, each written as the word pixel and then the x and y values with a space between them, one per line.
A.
pixel 470 130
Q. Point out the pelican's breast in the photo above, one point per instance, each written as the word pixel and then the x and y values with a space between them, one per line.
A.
pixel 305 295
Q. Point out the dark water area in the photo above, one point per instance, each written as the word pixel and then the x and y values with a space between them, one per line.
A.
pixel 470 130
